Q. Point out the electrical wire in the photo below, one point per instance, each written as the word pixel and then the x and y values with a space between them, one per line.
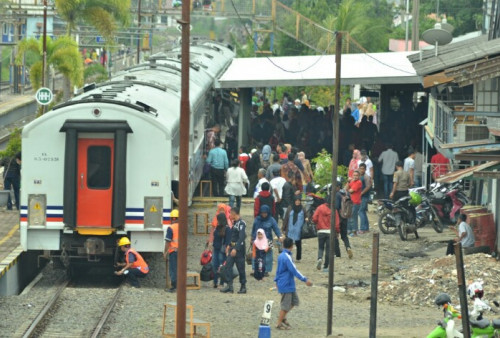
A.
pixel 268 58
pixel 314 63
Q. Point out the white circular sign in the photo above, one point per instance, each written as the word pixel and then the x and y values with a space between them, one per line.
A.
pixel 44 96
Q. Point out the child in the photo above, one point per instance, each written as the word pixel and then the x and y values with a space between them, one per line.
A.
pixel 260 247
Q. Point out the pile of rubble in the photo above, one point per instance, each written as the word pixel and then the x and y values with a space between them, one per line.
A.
pixel 419 285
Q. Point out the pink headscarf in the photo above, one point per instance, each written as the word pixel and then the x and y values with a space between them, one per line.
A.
pixel 261 244
pixel 353 165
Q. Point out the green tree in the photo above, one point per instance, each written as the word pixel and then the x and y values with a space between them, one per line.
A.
pixel 13 145
pixel 95 72
pixel 323 169
pixel 104 15
pixel 62 54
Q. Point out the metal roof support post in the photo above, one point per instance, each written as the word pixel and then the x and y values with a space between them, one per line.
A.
pixel 335 157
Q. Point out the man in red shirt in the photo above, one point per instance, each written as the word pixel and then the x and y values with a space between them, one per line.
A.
pixel 440 165
pixel 354 187
pixel 243 157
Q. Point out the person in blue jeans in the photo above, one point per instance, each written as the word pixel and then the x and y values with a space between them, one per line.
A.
pixel 222 238
pixel 267 223
pixel 12 177
pixel 354 187
pixel 366 185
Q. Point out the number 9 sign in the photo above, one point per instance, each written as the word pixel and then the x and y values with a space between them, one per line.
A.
pixel 266 315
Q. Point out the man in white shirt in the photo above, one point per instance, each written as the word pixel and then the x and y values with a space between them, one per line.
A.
pixel 465 235
pixel 419 161
pixel 261 175
pixel 277 184
pixel 388 158
pixel 409 166
pixel 366 160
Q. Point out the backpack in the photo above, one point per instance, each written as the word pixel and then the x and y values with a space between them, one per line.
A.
pixel 207 272
pixel 346 206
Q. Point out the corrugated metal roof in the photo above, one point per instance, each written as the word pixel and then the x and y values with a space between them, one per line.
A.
pixel 318 70
pixel 472 72
pixel 454 54
pixel 458 175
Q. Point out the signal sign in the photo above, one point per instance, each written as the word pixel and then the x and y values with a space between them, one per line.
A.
pixel 44 96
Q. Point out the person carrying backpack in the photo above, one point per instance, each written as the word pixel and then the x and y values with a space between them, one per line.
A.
pixel 342 200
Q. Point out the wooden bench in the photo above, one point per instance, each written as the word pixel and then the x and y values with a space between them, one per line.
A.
pixel 204 216
pixel 196 285
pixel 193 323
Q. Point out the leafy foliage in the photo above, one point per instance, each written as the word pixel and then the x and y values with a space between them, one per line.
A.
pixel 104 15
pixel 62 54
pixel 323 169
pixel 14 144
pixel 95 73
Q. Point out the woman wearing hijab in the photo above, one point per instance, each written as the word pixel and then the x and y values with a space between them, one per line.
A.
pixel 353 165
pixel 292 224
pixel 266 156
pixel 259 250
pixel 307 174
pixel 236 179
pixel 221 239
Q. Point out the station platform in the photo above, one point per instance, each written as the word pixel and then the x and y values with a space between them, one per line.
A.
pixel 10 247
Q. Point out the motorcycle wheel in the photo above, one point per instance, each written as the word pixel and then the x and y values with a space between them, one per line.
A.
pixel 384 224
pixel 437 226
pixel 403 233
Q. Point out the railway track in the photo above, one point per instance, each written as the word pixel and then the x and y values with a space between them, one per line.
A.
pixel 74 312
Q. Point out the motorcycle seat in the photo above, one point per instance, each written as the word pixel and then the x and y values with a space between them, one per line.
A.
pixel 438 201
pixel 481 324
pixel 496 323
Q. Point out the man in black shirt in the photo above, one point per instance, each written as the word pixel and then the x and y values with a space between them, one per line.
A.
pixel 236 252
pixel 343 222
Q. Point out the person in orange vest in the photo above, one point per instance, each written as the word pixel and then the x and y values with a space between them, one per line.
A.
pixel 171 246
pixel 135 266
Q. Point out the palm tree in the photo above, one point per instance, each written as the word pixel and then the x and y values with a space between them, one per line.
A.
pixel 62 55
pixel 104 15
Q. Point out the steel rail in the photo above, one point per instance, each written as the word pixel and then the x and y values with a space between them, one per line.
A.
pixel 34 325
pixel 106 313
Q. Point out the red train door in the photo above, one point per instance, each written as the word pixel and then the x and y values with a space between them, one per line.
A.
pixel 95 182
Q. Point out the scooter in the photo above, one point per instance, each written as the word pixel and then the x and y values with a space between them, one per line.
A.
pixel 447 202
pixel 482 327
pixel 446 327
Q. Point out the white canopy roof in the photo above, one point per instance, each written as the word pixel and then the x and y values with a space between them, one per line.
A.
pixel 319 70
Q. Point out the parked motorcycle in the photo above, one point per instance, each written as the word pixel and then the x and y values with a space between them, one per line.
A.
pixel 398 216
pixel 481 327
pixel 425 214
pixel 446 327
pixel 446 202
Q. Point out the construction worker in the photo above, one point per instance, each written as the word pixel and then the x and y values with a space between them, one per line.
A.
pixel 135 266
pixel 171 246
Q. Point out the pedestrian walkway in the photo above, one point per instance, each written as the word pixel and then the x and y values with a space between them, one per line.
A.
pixel 9 102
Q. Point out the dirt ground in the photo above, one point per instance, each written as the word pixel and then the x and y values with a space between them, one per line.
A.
pixel 234 315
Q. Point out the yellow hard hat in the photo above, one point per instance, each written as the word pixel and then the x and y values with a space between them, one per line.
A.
pixel 124 241
pixel 174 213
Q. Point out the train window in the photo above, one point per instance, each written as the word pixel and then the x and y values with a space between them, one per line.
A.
pixel 98 167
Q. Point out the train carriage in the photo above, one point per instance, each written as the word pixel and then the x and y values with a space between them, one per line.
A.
pixel 101 165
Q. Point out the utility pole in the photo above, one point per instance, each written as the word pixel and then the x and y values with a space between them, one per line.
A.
pixel 44 42
pixel 415 34
pixel 180 329
pixel 138 32
pixel 335 158
pixel 407 19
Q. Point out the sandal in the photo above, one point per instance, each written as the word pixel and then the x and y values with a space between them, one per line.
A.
pixel 285 321
pixel 282 326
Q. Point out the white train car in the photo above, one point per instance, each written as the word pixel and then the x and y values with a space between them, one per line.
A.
pixel 100 166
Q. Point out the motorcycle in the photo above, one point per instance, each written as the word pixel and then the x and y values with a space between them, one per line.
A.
pixel 446 202
pixel 446 327
pixel 397 216
pixel 425 215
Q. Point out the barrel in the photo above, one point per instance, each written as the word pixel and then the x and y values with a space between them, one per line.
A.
pixel 483 225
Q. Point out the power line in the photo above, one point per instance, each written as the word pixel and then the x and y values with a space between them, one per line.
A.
pixel 268 58
pixel 314 63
